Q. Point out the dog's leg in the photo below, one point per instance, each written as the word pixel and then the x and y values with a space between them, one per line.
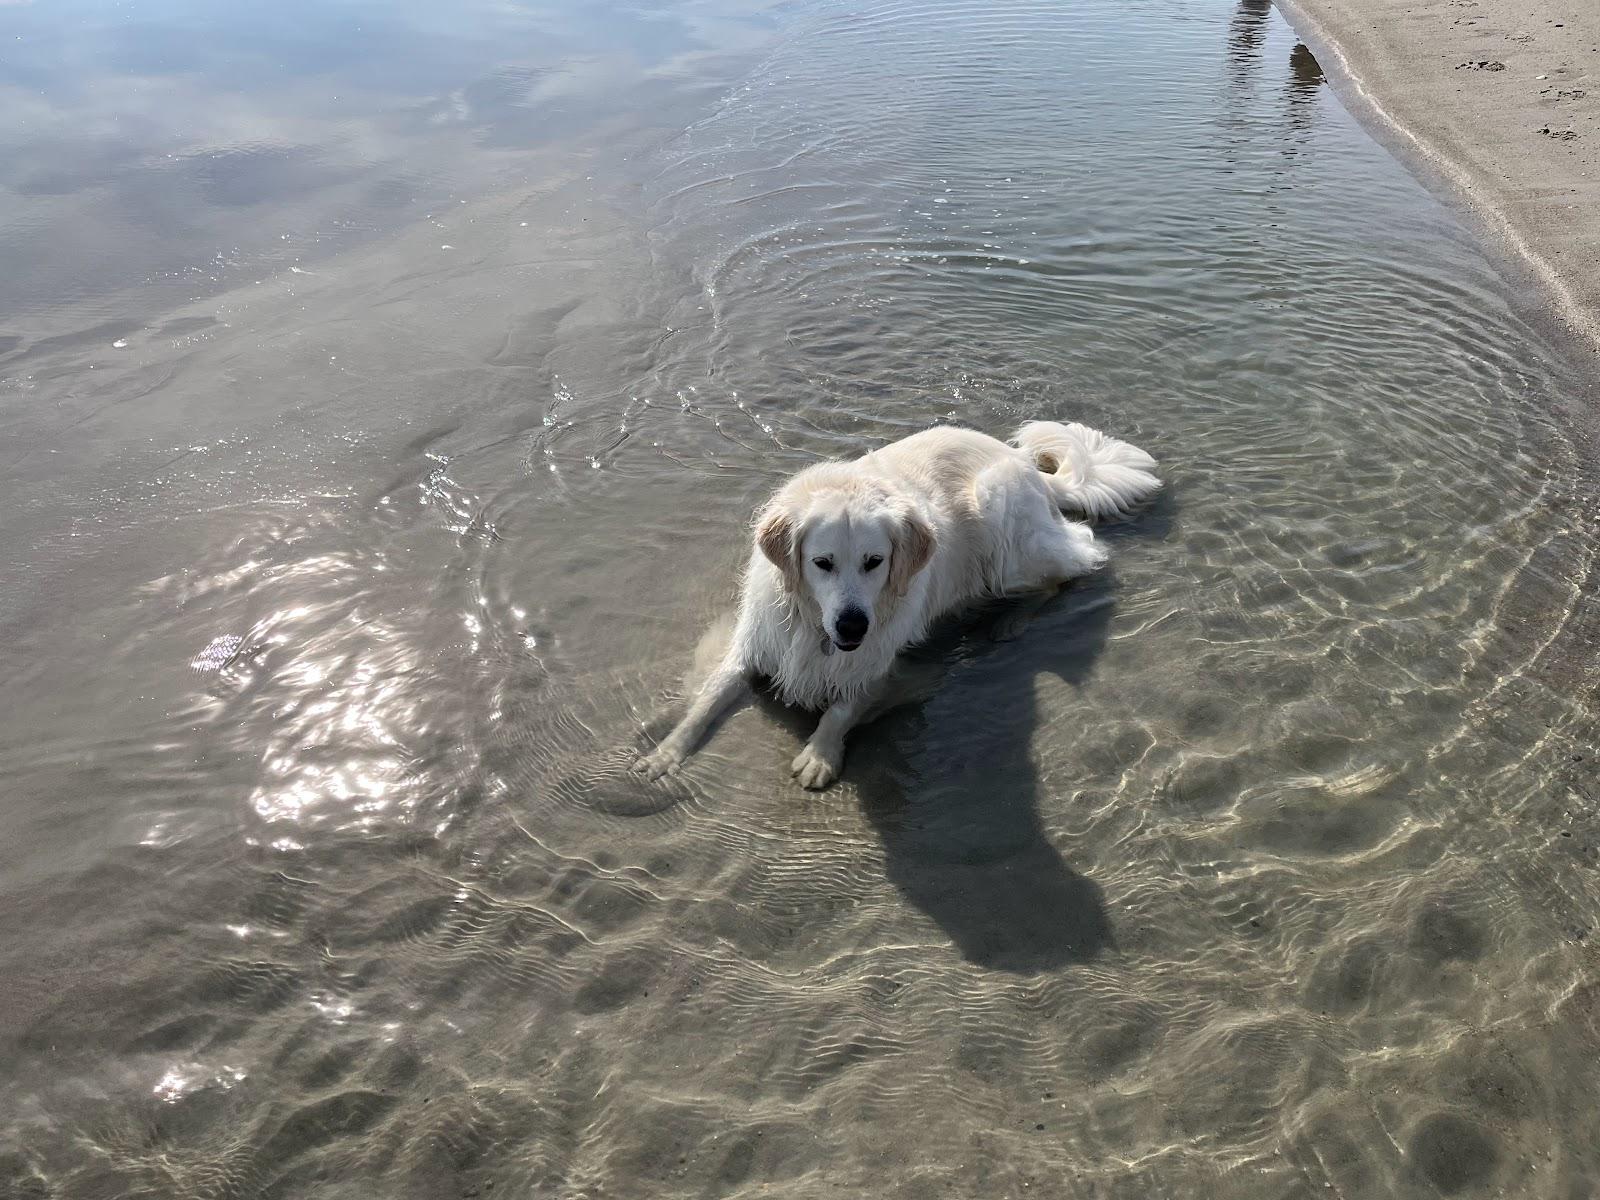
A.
pixel 817 765
pixel 727 684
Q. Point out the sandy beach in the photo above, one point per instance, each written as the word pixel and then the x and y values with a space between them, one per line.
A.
pixel 1502 102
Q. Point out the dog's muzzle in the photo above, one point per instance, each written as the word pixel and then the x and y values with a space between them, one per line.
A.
pixel 849 628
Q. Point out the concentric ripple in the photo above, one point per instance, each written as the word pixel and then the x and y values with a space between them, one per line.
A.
pixel 1262 864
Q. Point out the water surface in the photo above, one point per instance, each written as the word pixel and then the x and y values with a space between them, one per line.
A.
pixel 384 391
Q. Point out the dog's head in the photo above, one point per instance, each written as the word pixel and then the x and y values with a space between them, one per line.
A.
pixel 852 550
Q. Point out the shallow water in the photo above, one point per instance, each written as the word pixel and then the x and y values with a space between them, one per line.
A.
pixel 383 392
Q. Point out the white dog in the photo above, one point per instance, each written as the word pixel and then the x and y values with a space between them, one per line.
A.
pixel 853 561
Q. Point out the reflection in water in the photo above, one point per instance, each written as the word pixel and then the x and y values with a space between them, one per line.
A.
pixel 1305 78
pixel 189 149
pixel 1305 73
pixel 1247 35
pixel 384 394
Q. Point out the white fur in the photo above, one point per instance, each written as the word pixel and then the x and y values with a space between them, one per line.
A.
pixel 954 516
pixel 1092 474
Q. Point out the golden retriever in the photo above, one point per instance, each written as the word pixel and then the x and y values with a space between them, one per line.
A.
pixel 854 560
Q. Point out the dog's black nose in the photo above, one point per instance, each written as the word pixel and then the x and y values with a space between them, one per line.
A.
pixel 851 626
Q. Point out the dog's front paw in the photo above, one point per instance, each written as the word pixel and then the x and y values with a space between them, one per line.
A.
pixel 816 769
pixel 665 759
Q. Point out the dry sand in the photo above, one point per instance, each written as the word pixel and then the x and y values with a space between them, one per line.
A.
pixel 1502 100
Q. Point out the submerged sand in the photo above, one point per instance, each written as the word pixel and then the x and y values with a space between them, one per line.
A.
pixel 333 608
pixel 1502 100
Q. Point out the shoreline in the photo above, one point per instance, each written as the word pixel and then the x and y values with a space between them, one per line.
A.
pixel 1496 106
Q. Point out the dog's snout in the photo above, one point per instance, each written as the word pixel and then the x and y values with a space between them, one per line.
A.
pixel 851 626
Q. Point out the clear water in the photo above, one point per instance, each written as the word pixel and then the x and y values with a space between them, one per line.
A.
pixel 384 391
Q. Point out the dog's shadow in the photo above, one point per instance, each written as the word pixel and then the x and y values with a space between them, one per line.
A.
pixel 946 775
pixel 950 786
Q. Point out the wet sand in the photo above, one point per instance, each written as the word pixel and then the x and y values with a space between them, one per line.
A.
pixel 1501 99
pixel 350 552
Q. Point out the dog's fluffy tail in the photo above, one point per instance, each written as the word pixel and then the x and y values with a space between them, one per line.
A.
pixel 1089 472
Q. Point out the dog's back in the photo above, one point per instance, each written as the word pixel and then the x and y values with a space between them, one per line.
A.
pixel 1088 472
pixel 943 463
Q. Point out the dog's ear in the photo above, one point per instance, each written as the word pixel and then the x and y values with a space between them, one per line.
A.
pixel 778 537
pixel 912 547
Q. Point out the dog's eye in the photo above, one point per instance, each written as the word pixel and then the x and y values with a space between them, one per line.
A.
pixel 874 561
pixel 822 564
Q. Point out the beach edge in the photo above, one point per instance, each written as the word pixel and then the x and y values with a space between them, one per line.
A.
pixel 1477 135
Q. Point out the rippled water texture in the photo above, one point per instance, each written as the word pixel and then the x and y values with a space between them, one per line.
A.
pixel 384 392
